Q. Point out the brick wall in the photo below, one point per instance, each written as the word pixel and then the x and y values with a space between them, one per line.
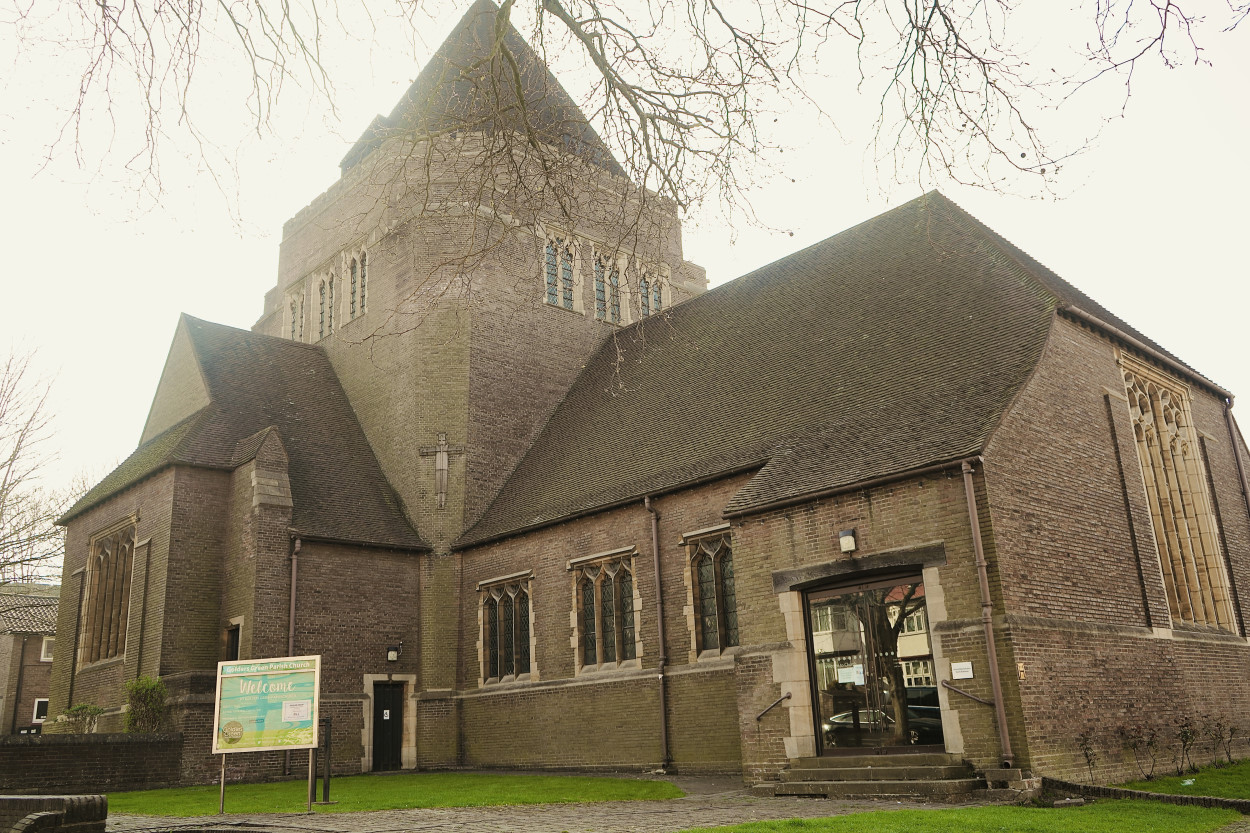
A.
pixel 58 764
pixel 1087 610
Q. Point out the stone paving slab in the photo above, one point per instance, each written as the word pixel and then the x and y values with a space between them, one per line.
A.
pixel 709 802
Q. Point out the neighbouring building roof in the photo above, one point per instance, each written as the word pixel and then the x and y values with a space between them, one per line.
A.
pixel 256 382
pixel 894 345
pixel 27 614
pixel 469 85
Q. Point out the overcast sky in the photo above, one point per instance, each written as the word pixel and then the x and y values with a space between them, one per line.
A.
pixel 1151 220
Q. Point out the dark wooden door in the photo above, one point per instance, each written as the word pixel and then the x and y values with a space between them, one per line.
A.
pixel 388 725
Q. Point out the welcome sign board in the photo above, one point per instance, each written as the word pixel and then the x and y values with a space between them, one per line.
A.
pixel 267 704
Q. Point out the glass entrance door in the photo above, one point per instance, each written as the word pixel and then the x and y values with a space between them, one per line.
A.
pixel 872 668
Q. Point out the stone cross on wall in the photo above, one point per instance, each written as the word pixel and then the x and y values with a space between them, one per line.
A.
pixel 442 458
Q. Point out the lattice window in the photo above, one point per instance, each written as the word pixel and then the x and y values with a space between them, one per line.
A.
pixel 321 323
pixel 602 265
pixel 106 603
pixel 352 296
pixel 558 270
pixel 364 280
pixel 1176 488
pixel 644 295
pixel 505 629
pixel 614 296
pixel 605 605
pixel 715 598
pixel 330 308
pixel 657 297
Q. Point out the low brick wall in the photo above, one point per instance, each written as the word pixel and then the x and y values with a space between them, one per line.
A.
pixel 75 764
pixel 74 813
pixel 1241 805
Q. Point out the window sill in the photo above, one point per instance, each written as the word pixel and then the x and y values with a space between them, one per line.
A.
pixel 510 679
pixel 719 653
pixel 102 663
pixel 609 667
pixel 563 308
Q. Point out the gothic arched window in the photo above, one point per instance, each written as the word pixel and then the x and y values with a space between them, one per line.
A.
pixel 321 326
pixel 644 296
pixel 352 296
pixel 364 279
pixel 605 592
pixel 558 271
pixel 106 602
pixel 712 585
pixel 505 629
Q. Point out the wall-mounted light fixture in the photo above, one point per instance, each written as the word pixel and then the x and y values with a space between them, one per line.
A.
pixel 393 652
pixel 846 540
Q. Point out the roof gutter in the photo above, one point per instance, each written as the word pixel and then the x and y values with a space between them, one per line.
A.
pixel 1172 364
pixel 615 504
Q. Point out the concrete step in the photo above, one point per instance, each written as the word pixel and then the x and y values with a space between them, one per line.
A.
pixel 952 789
pixel 875 772
pixel 902 759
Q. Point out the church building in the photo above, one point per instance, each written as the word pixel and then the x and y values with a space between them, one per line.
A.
pixel 540 499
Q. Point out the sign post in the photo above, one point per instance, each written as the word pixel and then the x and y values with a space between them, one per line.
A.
pixel 266 705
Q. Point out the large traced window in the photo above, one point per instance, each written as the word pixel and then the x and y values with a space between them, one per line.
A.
pixel 1176 488
pixel 712 582
pixel 505 608
pixel 558 271
pixel 605 604
pixel 106 602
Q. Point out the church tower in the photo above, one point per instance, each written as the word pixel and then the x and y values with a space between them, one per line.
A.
pixel 477 248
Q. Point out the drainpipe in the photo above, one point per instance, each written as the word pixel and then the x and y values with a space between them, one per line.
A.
pixel 17 692
pixel 659 618
pixel 290 638
pixel 987 614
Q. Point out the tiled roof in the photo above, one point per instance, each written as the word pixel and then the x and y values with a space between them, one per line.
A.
pixel 256 382
pixel 27 614
pixel 466 87
pixel 894 345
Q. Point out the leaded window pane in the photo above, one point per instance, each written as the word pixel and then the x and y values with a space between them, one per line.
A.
pixel 552 272
pixel 506 614
pixel 627 615
pixel 364 277
pixel 614 296
pixel 566 275
pixel 353 295
pixel 729 606
pixel 293 312
pixel 608 608
pixel 601 291
pixel 644 293
pixel 657 298
pixel 492 638
pixel 330 313
pixel 589 654
pixel 321 328
pixel 706 570
pixel 523 632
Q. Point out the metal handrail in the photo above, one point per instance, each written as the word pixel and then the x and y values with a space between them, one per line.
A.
pixel 946 684
pixel 775 704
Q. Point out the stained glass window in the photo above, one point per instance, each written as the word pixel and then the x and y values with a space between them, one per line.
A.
pixel 523 632
pixel 590 653
pixel 353 293
pixel 492 637
pixel 601 290
pixel 553 274
pixel 321 328
pixel 614 296
pixel 706 570
pixel 712 571
pixel 506 612
pixel 626 595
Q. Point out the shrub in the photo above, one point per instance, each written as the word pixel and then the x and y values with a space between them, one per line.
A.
pixel 145 698
pixel 81 718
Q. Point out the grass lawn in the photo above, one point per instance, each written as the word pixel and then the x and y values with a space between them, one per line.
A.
pixel 1223 782
pixel 1100 817
pixel 392 792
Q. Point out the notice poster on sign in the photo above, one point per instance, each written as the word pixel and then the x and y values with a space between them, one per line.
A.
pixel 267 704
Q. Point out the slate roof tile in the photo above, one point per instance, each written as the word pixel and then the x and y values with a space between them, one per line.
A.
pixel 891 346
pixel 27 614
pixel 256 382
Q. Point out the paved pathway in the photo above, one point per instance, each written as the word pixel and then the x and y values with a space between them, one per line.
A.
pixel 708 802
